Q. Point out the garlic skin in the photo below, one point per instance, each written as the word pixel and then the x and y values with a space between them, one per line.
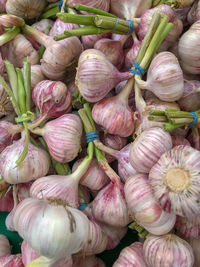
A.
pixel 100 4
pixel 19 49
pixel 35 165
pixel 191 96
pixel 194 13
pixel 52 230
pixel 188 227
pixel 6 107
pixel 59 27
pixel 89 41
pixel 144 207
pixel 25 9
pixel 96 76
pixel 63 137
pixel 6 137
pixel 7 203
pixel 94 178
pixel 194 243
pixel 132 54
pixel 179 196
pixel 52 98
pixel 11 260
pixel 167 250
pixel 148 147
pixel 131 256
pixel 111 197
pixel 36 75
pixel 5 247
pixel 23 191
pixel 90 261
pixel 114 115
pixel 189 50
pixel 178 140
pixel 164 78
pixel 43 24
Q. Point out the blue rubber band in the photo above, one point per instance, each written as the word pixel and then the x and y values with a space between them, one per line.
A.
pixel 82 206
pixel 195 119
pixel 117 21
pixel 60 3
pixel 91 136
pixel 131 26
pixel 139 70
pixel 21 122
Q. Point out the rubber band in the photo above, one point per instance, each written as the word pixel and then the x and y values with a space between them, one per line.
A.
pixel 20 122
pixel 115 26
pixel 139 70
pixel 195 119
pixel 131 26
pixel 60 3
pixel 26 117
pixel 91 136
pixel 82 206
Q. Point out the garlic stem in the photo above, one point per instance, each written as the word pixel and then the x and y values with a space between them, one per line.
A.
pixel 27 82
pixel 51 12
pixel 94 10
pixel 9 35
pixel 11 95
pixel 125 92
pixel 36 123
pixel 42 47
pixel 50 6
pixel 25 151
pixel 21 92
pixel 87 20
pixel 38 131
pixel 109 23
pixel 106 149
pixel 12 77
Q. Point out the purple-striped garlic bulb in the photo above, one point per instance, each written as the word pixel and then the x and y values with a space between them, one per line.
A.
pixel 112 197
pixel 144 207
pixel 178 140
pixel 59 27
pixel 113 141
pixel 43 24
pixel 25 9
pixel 190 101
pixel 7 134
pixel 132 53
pixel 175 181
pixel 131 256
pixel 195 244
pixel 167 250
pixel 63 137
pixel 189 49
pixel 188 227
pixel 35 165
pixel 127 10
pixel 94 178
pixel 146 18
pixel 148 147
pixel 11 260
pixel 100 4
pixel 89 41
pixel 118 37
pixel 52 98
pixel 96 76
pixel 19 49
pixel 90 261
pixel 164 78
pixel 113 50
pixel 5 247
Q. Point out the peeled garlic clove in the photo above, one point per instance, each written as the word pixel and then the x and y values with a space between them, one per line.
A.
pixel 95 178
pixel 131 256
pixel 188 227
pixel 59 27
pixel 11 260
pixel 90 261
pixel 51 228
pixel 96 76
pixel 167 250
pixel 175 181
pixel 179 140
pixel 5 247
pixel 35 165
pixel 63 137
pixel 164 78
pixel 25 9
pixel 148 147
pixel 52 98
pixel 144 207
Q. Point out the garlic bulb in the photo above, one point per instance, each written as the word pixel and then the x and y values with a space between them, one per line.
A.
pixel 52 230
pixel 144 207
pixel 191 96
pixel 131 256
pixel 189 50
pixel 96 76
pixel 6 135
pixel 90 261
pixel 167 250
pixel 63 137
pixel 128 10
pixel 52 98
pixel 19 49
pixel 188 227
pixel 43 24
pixel 11 260
pixel 148 147
pixel 7 203
pixel 5 248
pixel 179 140
pixel 59 27
pixel 26 9
pixel 95 178
pixel 194 243
pixel 89 41
pixel 180 195
pixel 164 78
pixel 35 165
pixel 100 4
